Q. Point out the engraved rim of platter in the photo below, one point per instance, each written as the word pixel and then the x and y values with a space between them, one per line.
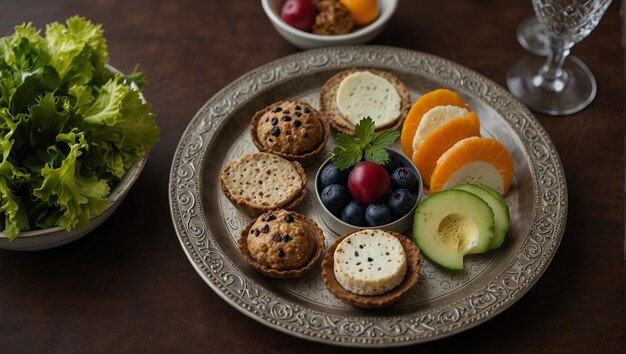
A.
pixel 519 275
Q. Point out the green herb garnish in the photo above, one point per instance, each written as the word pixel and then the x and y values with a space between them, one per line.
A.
pixel 350 151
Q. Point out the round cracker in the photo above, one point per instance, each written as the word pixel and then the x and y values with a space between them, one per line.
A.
pixel 259 182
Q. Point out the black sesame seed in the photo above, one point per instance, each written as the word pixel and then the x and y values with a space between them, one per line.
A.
pixel 267 119
pixel 265 229
pixel 361 246
pixel 276 110
pixel 286 112
pixel 287 238
pixel 356 253
pixel 297 123
pixel 358 263
pixel 275 131
pixel 297 108
pixel 274 121
pixel 281 253
pixel 269 217
pixel 298 114
pixel 306 110
pixel 288 218
pixel 256 232
pixel 369 259
pixel 276 238
pixel 287 118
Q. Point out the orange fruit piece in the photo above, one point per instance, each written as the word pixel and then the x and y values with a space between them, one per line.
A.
pixel 363 12
pixel 440 97
pixel 440 140
pixel 474 160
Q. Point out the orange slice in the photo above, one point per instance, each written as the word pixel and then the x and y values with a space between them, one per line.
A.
pixel 474 160
pixel 440 140
pixel 440 97
pixel 363 12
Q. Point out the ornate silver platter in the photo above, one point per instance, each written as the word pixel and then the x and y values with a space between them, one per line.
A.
pixel 442 303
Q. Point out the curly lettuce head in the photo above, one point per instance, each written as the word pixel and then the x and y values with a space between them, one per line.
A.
pixel 69 128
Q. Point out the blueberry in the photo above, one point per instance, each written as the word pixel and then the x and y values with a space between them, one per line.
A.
pixel 395 161
pixel 378 214
pixel 353 213
pixel 331 175
pixel 404 177
pixel 400 201
pixel 334 198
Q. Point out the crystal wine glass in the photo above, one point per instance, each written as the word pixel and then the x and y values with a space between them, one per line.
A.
pixel 560 85
pixel 531 34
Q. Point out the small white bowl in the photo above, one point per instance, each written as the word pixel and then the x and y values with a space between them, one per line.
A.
pixel 306 40
pixel 56 236
pixel 340 227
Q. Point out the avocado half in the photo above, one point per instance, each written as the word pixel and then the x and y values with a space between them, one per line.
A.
pixel 450 224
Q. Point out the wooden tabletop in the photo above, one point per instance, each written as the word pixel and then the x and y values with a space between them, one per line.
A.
pixel 128 286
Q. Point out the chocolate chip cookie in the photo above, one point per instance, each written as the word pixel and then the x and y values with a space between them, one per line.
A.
pixel 291 129
pixel 282 243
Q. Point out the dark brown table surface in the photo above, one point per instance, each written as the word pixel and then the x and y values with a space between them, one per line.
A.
pixel 128 286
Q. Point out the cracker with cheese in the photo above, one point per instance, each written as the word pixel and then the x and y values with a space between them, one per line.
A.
pixel 353 94
pixel 371 268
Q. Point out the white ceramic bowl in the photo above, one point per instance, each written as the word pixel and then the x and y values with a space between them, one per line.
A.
pixel 55 236
pixel 340 227
pixel 306 40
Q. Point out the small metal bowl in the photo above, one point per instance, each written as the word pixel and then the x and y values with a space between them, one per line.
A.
pixel 340 227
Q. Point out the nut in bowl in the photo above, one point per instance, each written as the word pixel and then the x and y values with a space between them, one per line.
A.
pixel 358 35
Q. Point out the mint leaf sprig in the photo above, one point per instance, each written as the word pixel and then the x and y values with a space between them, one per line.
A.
pixel 350 151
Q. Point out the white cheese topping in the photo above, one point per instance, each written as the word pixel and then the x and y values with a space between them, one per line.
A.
pixel 370 262
pixel 364 94
pixel 433 119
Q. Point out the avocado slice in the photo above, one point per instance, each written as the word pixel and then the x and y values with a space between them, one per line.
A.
pixel 450 224
pixel 497 205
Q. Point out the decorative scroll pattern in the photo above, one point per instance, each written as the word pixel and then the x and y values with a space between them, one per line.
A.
pixel 499 292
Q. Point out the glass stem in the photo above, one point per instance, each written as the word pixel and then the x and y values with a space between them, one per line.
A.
pixel 551 76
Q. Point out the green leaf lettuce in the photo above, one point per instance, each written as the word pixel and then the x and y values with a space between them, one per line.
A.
pixel 69 128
